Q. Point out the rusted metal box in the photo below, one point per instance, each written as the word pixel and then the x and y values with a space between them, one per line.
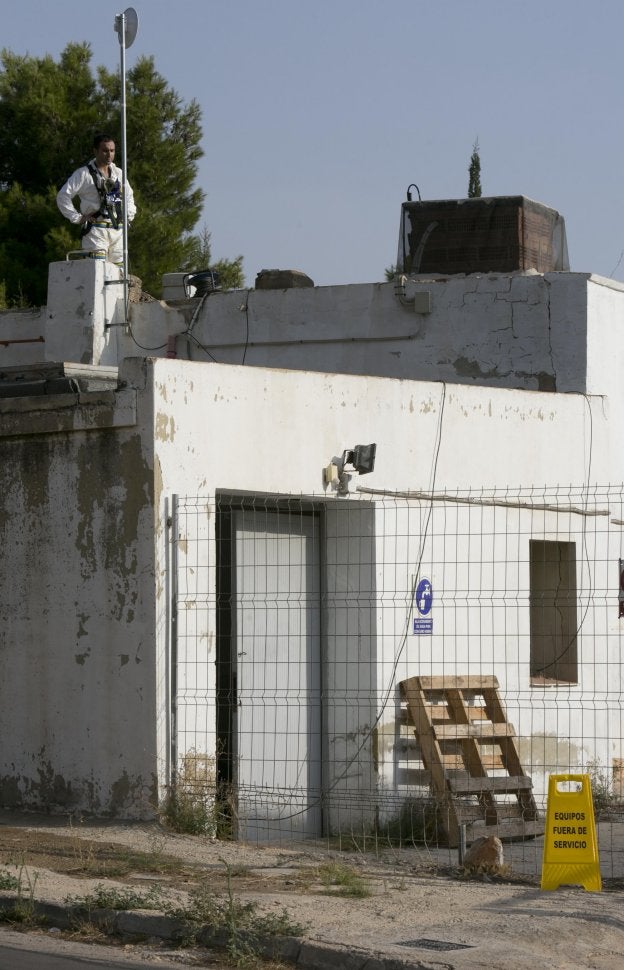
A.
pixel 489 235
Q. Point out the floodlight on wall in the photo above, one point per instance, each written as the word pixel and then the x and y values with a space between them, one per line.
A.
pixel 204 282
pixel 409 194
pixel 361 458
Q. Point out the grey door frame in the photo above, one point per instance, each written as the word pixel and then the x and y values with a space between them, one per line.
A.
pixel 227 673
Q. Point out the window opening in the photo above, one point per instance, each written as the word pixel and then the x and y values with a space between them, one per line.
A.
pixel 553 608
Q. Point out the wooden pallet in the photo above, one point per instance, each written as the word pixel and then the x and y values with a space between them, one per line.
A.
pixel 469 749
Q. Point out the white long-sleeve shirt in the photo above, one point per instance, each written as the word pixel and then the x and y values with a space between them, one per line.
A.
pixel 81 184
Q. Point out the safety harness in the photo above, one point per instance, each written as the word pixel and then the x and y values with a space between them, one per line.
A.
pixel 110 193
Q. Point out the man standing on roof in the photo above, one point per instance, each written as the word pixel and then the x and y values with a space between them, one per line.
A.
pixel 99 186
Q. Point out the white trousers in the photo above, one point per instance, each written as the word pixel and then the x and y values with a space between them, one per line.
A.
pixel 104 244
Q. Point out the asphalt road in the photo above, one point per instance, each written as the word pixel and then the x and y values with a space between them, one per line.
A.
pixel 28 951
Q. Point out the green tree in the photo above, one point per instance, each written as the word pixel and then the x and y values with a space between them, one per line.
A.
pixel 49 112
pixel 46 112
pixel 474 173
pixel 25 216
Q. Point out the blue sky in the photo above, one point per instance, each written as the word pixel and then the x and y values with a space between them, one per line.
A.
pixel 317 116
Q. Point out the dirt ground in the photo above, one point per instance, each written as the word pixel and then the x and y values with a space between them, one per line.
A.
pixel 411 906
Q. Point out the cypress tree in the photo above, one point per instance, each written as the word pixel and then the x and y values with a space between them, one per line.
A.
pixel 474 173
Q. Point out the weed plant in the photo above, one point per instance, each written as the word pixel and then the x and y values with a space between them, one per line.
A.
pixel 8 881
pixel 418 823
pixel 238 924
pixel 196 804
pixel 603 795
pixel 112 897
pixel 188 813
pixel 343 880
pixel 23 909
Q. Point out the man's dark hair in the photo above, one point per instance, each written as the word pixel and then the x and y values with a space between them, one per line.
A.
pixel 100 137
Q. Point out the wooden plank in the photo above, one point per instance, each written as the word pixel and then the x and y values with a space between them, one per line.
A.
pixel 455 759
pixel 467 786
pixel 437 712
pixel 485 732
pixel 430 750
pixel 470 746
pixel 477 713
pixel 509 751
pixel 473 712
pixel 513 829
pixel 492 762
pixel 471 750
pixel 494 705
pixel 469 813
pixel 412 683
pixel 475 682
pixel 458 732
pixel 453 762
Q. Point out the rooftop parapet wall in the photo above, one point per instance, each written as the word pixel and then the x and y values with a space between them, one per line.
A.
pixel 605 338
pixel 523 330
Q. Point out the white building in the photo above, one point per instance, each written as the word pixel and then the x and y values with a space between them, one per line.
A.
pixel 187 592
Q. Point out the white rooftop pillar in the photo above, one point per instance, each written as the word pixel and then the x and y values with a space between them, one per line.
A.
pixel 84 299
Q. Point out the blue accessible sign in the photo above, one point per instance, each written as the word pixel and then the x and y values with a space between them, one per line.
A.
pixel 423 598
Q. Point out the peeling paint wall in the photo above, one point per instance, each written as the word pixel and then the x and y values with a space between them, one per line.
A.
pixel 264 431
pixel 465 390
pixel 524 330
pixel 275 430
pixel 86 570
pixel 77 693
pixel 514 330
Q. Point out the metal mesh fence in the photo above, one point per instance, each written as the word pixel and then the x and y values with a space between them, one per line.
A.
pixel 398 670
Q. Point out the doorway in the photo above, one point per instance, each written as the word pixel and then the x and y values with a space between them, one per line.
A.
pixel 269 715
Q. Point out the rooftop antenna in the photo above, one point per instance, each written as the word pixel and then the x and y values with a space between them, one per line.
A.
pixel 126 26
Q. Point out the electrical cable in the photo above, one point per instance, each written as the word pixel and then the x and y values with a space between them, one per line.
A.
pixel 194 318
pixel 246 308
pixel 141 346
pixel 192 336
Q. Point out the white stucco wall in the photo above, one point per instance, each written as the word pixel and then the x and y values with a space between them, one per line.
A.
pixel 515 330
pixel 605 346
pixel 85 304
pixel 85 633
pixel 221 428
pixel 88 486
pixel 274 430
pixel 522 330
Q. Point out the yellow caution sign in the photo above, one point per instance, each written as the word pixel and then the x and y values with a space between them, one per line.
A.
pixel 570 844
